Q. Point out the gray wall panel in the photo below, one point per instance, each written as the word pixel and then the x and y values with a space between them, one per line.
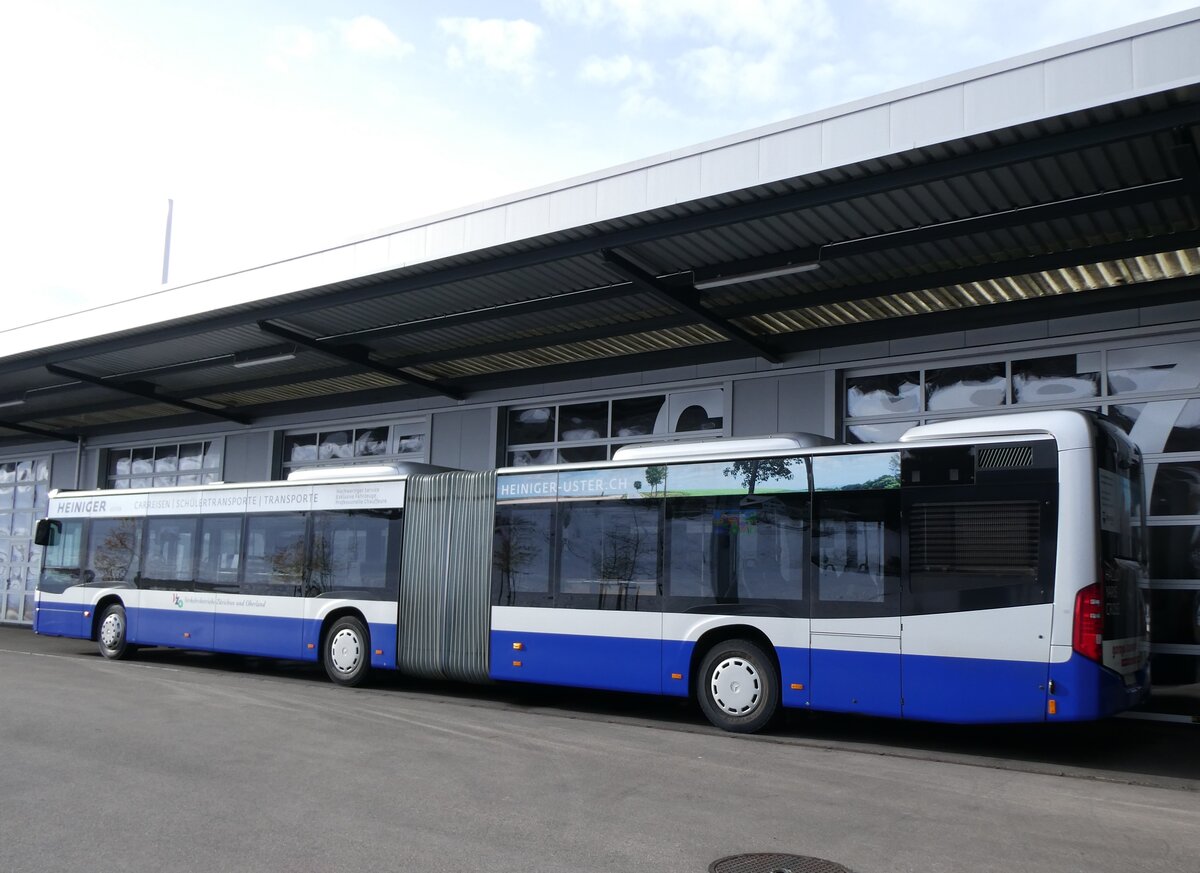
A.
pixel 62 470
pixel 1005 333
pixel 932 343
pixel 248 457
pixel 1171 313
pixel 464 439
pixel 806 403
pixel 1095 322
pixel 755 407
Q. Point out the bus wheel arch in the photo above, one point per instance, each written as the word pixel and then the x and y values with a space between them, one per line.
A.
pixel 346 647
pixel 736 678
pixel 110 629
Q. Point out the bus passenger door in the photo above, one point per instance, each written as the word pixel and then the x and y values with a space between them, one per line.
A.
pixel 855 628
pixel 266 616
pixel 171 609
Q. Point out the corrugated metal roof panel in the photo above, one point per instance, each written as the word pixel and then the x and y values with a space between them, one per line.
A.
pixel 1089 277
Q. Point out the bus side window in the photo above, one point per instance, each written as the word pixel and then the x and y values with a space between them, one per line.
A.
pixel 112 550
pixel 690 549
pixel 220 547
pixel 275 554
pixel 857 552
pixel 522 555
pixel 349 552
pixel 169 553
pixel 609 553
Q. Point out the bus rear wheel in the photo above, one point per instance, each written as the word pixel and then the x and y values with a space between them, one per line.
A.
pixel 347 654
pixel 738 687
pixel 111 632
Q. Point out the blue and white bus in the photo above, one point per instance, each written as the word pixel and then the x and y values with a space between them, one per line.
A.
pixel 985 570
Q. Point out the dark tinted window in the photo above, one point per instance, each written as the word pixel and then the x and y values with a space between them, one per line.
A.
pixel 736 550
pixel 857 554
pixel 608 553
pixel 112 550
pixel 521 556
pixel 220 551
pixel 353 551
pixel 275 554
pixel 169 553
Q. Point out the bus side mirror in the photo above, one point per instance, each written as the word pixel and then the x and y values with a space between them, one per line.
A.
pixel 47 532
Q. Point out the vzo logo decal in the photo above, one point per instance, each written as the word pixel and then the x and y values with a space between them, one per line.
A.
pixel 177 600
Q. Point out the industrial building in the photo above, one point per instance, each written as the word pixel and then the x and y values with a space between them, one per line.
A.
pixel 1021 235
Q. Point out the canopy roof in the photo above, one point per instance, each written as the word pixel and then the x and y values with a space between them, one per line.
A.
pixel 1067 181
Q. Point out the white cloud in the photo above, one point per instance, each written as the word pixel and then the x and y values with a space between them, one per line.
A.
pixel 636 103
pixel 616 71
pixel 293 46
pixel 745 23
pixel 370 36
pixel 508 47
pixel 721 75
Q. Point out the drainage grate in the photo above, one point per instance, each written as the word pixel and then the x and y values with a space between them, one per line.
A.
pixel 771 862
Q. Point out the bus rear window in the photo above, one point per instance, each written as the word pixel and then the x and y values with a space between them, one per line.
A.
pixel 1122 529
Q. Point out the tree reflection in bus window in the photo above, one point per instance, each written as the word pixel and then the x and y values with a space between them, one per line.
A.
pixel 112 550
pixel 866 471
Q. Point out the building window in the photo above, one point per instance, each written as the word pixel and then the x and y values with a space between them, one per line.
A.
pixel 591 430
pixel 163 466
pixel 24 498
pixel 360 444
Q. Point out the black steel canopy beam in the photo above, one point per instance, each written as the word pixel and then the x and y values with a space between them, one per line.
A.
pixel 688 300
pixel 919 174
pixel 523 344
pixel 359 357
pixel 42 432
pixel 147 392
pixel 1187 162
pixel 534 306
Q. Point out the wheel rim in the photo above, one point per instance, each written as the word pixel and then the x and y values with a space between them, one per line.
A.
pixel 345 651
pixel 736 686
pixel 112 630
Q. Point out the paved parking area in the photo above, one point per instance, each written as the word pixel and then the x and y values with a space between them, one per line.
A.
pixel 183 761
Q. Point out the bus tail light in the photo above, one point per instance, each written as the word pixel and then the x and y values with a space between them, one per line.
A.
pixel 1087 638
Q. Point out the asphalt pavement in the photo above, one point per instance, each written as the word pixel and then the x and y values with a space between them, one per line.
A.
pixel 189 761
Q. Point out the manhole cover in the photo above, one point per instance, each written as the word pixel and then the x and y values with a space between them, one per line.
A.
pixel 771 862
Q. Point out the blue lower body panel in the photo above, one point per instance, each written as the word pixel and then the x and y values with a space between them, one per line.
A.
pixel 610 663
pixel 191 629
pixel 866 683
pixel 268 636
pixel 62 620
pixel 973 690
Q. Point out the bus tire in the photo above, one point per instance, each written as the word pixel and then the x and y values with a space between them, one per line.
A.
pixel 112 633
pixel 738 687
pixel 347 652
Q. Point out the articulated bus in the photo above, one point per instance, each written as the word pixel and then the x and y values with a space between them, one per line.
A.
pixel 985 570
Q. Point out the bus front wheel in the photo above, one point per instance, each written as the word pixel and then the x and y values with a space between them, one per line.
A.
pixel 111 632
pixel 347 651
pixel 738 687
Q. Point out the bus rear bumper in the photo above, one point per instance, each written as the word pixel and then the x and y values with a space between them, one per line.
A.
pixel 1083 690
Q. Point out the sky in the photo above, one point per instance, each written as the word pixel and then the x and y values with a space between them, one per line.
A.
pixel 279 127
